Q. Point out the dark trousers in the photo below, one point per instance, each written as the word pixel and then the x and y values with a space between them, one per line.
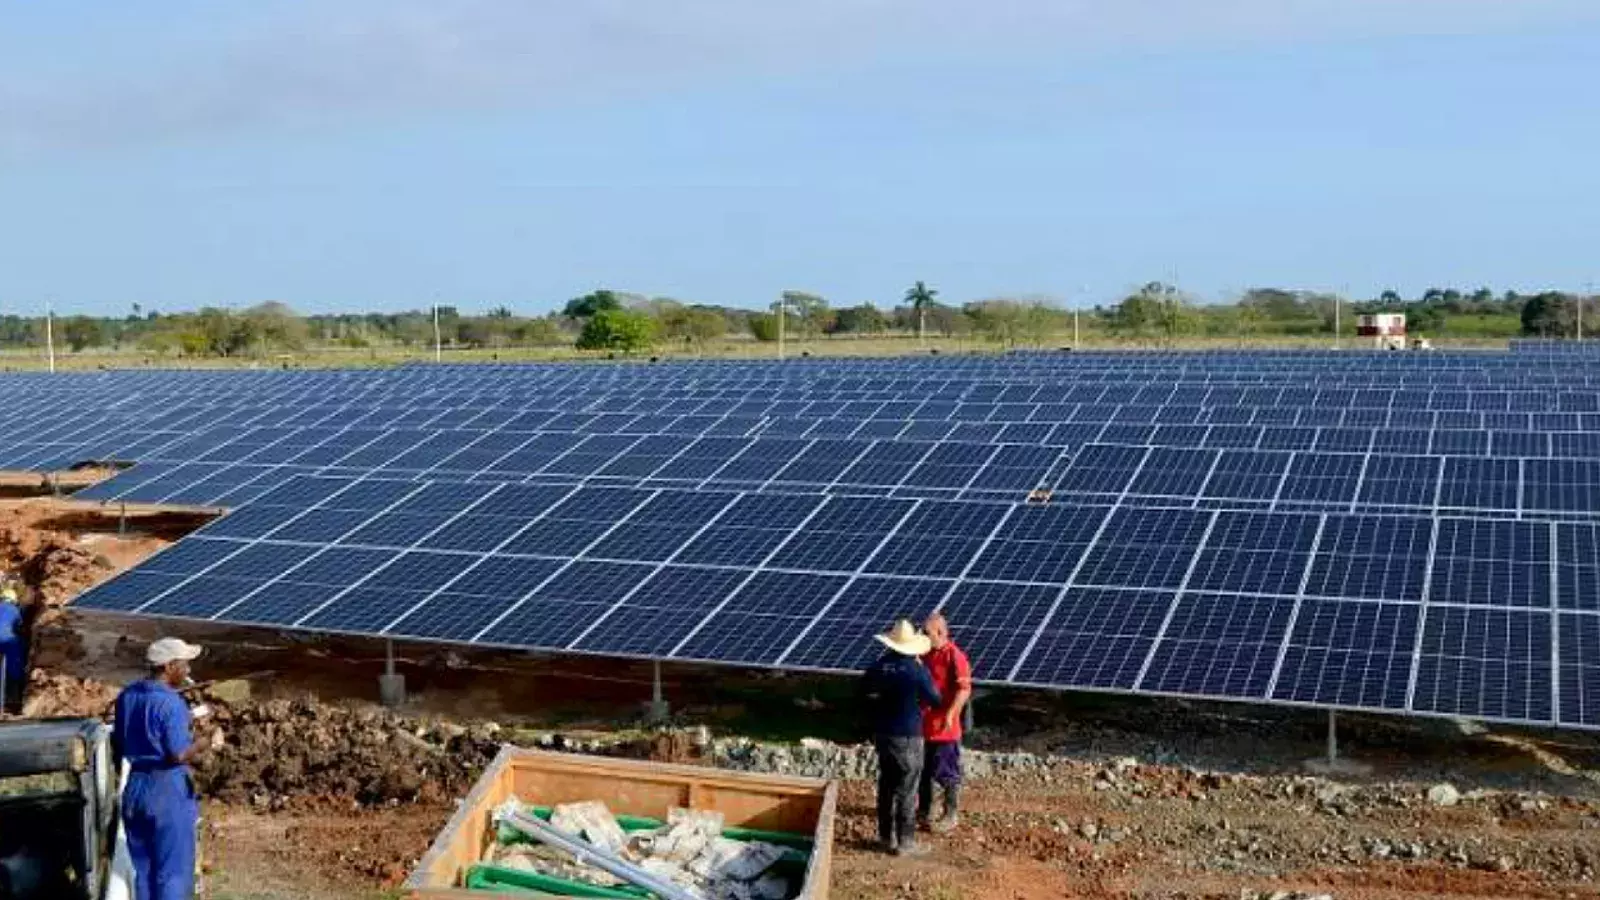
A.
pixel 899 770
pixel 941 765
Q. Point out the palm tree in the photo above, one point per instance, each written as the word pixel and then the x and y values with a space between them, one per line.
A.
pixel 920 296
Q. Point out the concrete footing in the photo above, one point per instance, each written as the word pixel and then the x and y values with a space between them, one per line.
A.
pixel 392 689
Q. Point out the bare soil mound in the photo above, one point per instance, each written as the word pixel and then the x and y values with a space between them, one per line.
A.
pixel 51 695
pixel 294 752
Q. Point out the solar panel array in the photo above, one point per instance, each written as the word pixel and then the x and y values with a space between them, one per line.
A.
pixel 1401 532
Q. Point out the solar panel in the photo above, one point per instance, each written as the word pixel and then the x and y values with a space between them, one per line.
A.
pixel 1483 562
pixel 1349 653
pixel 1219 645
pixel 1485 662
pixel 1216 528
pixel 1145 548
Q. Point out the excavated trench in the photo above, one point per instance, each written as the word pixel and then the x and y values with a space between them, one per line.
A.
pixel 52 550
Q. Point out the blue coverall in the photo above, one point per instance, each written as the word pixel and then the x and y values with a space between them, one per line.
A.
pixel 159 809
pixel 11 646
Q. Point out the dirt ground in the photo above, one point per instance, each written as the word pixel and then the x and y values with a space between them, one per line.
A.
pixel 316 793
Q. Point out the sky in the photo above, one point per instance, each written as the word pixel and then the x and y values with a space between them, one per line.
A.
pixel 351 155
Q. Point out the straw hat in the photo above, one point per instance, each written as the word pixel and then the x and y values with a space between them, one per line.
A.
pixel 904 638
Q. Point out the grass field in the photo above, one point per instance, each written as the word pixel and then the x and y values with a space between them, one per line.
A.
pixel 727 348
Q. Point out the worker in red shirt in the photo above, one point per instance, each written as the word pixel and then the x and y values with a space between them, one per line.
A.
pixel 941 725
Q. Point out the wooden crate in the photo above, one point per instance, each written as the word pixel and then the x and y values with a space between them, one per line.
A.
pixel 627 787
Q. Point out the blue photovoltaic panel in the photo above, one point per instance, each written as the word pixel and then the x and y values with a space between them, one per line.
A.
pixel 1096 638
pixel 1321 479
pixel 994 622
pixel 1349 653
pixel 338 566
pixel 200 597
pixel 1100 470
pixel 364 609
pixel 480 534
pixel 1234 437
pixel 254 521
pixel 736 637
pixel 1371 557
pixel 262 562
pixel 800 594
pixel 688 590
pixel 1287 438
pixel 1580 670
pixel 1491 562
pixel 1518 443
pixel 990 606
pixel 1246 475
pixel 372 496
pixel 395 529
pixel 1480 483
pixel 1483 662
pixel 1173 472
pixel 638 631
pixel 1406 481
pixel 192 556
pixel 129 591
pixel 1344 440
pixel 594 582
pixel 1145 548
pixel 1561 485
pixel 1219 645
pixel 555 537
pixel 320 526
pixel 1039 543
pixel 1459 443
pixel 1258 553
pixel 280 603
pixel 1578 566
pixel 643 541
pixel 841 638
pixel 1401 440
pixel 412 473
pixel 543 624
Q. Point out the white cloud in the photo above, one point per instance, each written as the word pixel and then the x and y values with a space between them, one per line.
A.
pixel 319 61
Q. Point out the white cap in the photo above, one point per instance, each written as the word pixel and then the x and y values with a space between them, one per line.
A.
pixel 170 649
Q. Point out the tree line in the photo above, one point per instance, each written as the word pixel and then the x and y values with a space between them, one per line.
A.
pixel 616 321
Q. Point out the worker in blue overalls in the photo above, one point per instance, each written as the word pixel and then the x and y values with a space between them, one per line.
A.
pixel 12 651
pixel 159 808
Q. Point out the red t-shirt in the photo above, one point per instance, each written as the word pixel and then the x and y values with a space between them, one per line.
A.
pixel 951 672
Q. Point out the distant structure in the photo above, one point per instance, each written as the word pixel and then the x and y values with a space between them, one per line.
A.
pixel 1387 330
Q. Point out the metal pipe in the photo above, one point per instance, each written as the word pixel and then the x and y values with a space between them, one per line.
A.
pixel 588 854
pixel 1333 737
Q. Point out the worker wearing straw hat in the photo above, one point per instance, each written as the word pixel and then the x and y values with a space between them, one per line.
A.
pixel 899 688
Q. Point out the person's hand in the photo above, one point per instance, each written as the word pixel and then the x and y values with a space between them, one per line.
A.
pixel 950 720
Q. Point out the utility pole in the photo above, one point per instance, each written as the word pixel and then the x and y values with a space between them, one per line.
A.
pixel 1338 300
pixel 438 344
pixel 1588 291
pixel 1077 303
pixel 50 334
pixel 782 302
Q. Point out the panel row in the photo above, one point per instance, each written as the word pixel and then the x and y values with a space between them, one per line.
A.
pixel 1354 482
pixel 1476 615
